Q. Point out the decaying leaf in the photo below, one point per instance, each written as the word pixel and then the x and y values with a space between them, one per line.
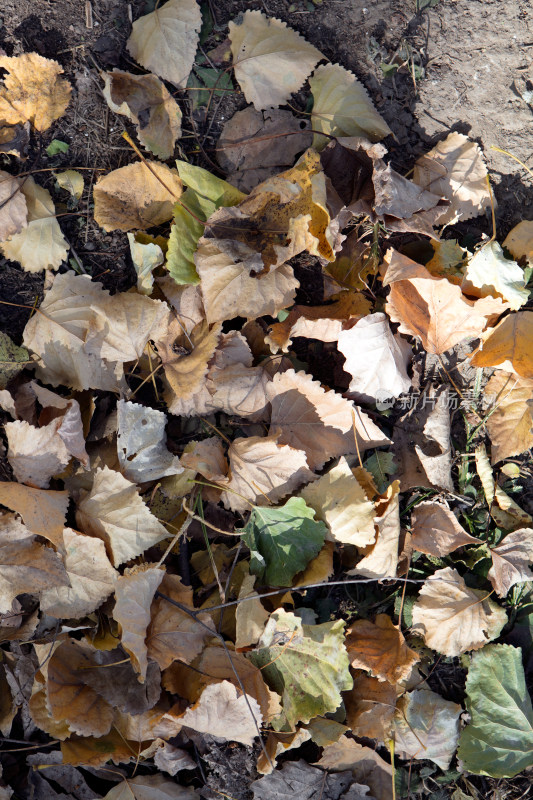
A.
pixel 33 91
pixel 44 512
pixel 510 561
pixel 427 726
pixel 508 345
pixel 145 100
pixel 342 107
pixel 13 359
pixel 146 256
pixel 519 241
pixel 381 558
pixel 250 615
pixel 223 711
pixel 299 779
pixel 370 707
pixel 151 787
pixel 379 647
pixel 489 273
pixel 72 182
pixel 13 208
pixel 510 424
pixel 453 618
pixel 139 196
pixel 165 41
pixel 366 765
pixel 436 531
pixel 271 60
pixel 141 443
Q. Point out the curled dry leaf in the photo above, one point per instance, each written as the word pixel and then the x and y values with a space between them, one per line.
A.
pixel 510 424
pixel 508 345
pixel 453 618
pixel 436 531
pixel 145 100
pixel 33 91
pixel 207 457
pixel 489 273
pixel 506 513
pixel 455 169
pixel 26 566
pixel 114 512
pixel 278 743
pixel 510 561
pixel 254 145
pixel 165 41
pixel 379 647
pixel 222 711
pixel 44 512
pixel 342 107
pixel 381 558
pixel 146 257
pixel 91 577
pixel 35 454
pixel 427 726
pixel 271 60
pixel 13 208
pixel 340 501
pixel 139 196
pixel 72 182
pixel 141 443
pixel 40 244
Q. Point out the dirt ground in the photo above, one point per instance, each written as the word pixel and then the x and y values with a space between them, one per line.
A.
pixel 467 67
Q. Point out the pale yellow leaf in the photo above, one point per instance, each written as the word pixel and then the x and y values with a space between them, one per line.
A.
pixel 222 711
pixel 519 241
pixel 489 273
pixel 508 345
pixel 165 41
pixel 72 182
pixel 510 424
pixel 13 208
pixel 145 258
pixel 33 91
pixel 271 60
pixel 250 615
pixel 381 558
pixel 35 454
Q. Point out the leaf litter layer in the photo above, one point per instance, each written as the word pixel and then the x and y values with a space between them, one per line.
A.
pixel 181 470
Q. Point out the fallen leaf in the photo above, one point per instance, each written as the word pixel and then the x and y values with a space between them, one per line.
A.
pixel 299 779
pixel 366 765
pixel 146 257
pixel 172 759
pixel 381 558
pixel 519 240
pixel 452 618
pixel 510 424
pixel 374 359
pixel 427 726
pixel 33 91
pixel 325 731
pixel 498 741
pixel 228 288
pixel 145 100
pixel 91 577
pixel 15 139
pixel 379 647
pixel 223 711
pixel 342 107
pixel 141 443
pixel 13 358
pixel 489 273
pixel 447 260
pixel 40 244
pixel 296 658
pixel 254 145
pixel 503 509
pixel 26 565
pixel 72 182
pixel 455 169
pixel 508 345
pixel 13 208
pixel 35 454
pixel 340 501
pixel 207 457
pixel 282 540
pixel 165 41
pixel 271 61
pixel 151 787
pixel 114 512
pixel 370 707
pixel 250 615
pixel 44 512
pixel 436 531
pixel 96 751
pixel 140 196
pixel 278 743
pixel 510 561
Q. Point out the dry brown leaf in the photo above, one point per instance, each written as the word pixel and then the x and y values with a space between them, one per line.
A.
pixel 508 345
pixel 366 765
pixel 379 648
pixel 503 509
pixel 137 196
pixel 114 512
pixel 40 712
pixel 519 241
pixel 85 711
pixel 510 561
pixel 95 752
pixel 223 711
pixel 173 634
pixel 40 244
pixel 33 91
pixel 321 423
pixel 510 424
pixel 262 470
pixel 207 457
pixel 340 501
pixel 455 169
pixel 375 360
pixel 278 743
pixel 44 512
pixel 145 100
pixel 271 60
pixel 318 322
pixel 165 41
pixel 91 576
pixel 452 618
pixel 370 707
pixel 15 139
pixel 319 568
pixel 134 592
pixel 250 615
pixel 185 300
pixel 26 566
pixel 436 531
pixel 342 107
pixel 13 208
pixel 381 558
pixel 254 145
pixel 230 290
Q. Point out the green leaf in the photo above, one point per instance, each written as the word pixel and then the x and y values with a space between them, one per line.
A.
pixel 204 79
pixel 56 146
pixel 205 193
pixel 306 664
pixel 283 540
pixel 381 465
pixel 499 740
pixel 12 359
